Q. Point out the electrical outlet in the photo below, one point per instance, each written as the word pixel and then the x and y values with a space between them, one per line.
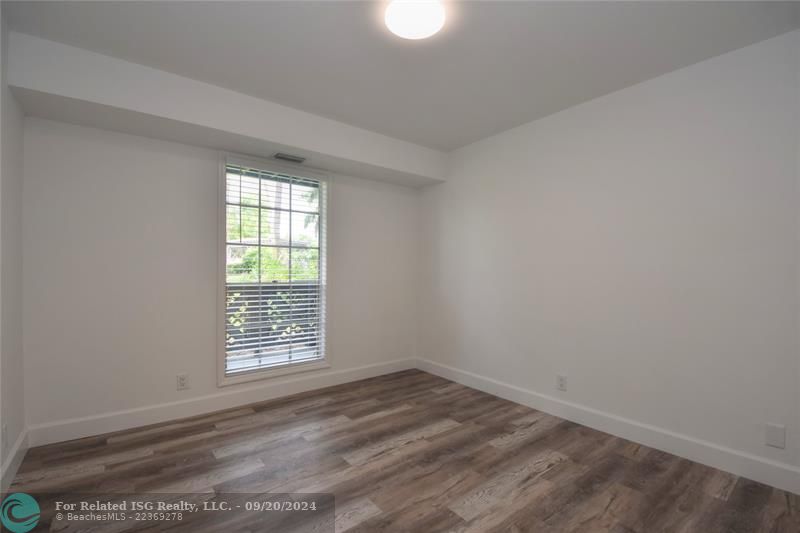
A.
pixel 182 381
pixel 561 383
pixel 775 436
pixel 4 436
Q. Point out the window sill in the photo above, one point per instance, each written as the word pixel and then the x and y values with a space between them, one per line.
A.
pixel 284 370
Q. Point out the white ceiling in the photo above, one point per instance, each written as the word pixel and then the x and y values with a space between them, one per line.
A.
pixel 495 65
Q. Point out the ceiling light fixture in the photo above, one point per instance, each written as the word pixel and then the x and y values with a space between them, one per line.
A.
pixel 414 19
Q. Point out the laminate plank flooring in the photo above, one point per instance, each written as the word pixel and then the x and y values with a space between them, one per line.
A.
pixel 410 451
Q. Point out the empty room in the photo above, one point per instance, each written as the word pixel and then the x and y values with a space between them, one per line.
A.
pixel 400 265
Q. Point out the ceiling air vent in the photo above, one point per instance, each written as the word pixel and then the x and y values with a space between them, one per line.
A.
pixel 289 157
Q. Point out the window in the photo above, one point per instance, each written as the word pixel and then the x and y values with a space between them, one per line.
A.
pixel 274 268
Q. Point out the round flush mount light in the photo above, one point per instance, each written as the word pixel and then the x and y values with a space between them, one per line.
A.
pixel 414 19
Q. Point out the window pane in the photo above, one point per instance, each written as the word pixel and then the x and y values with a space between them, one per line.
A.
pixel 305 264
pixel 232 185
pixel 241 263
pixel 305 196
pixel 233 229
pixel 249 190
pixel 275 227
pixel 305 229
pixel 249 225
pixel 274 264
pixel 275 193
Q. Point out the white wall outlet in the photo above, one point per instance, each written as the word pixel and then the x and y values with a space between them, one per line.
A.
pixel 182 381
pixel 4 436
pixel 561 382
pixel 776 436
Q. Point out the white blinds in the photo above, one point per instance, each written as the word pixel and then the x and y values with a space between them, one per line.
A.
pixel 275 269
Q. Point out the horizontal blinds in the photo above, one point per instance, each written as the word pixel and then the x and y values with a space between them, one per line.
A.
pixel 275 269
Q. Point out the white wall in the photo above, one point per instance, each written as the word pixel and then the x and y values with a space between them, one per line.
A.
pixel 12 412
pixel 120 279
pixel 645 244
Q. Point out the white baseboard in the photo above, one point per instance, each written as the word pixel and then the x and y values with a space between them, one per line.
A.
pixel 774 473
pixel 75 428
pixel 14 459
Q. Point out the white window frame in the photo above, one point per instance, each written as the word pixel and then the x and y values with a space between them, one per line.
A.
pixel 226 159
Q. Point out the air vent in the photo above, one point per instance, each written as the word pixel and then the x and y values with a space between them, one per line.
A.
pixel 289 157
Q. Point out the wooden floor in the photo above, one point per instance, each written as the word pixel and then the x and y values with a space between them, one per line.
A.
pixel 414 452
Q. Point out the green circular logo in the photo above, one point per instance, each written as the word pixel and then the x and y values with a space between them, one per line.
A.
pixel 19 513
